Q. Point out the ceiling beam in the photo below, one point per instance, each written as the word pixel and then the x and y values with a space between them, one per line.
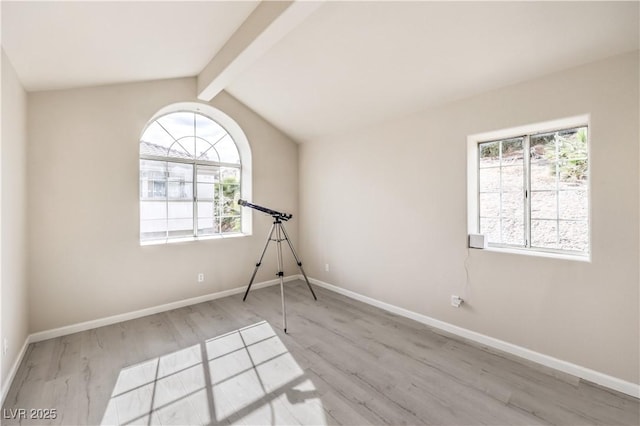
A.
pixel 266 25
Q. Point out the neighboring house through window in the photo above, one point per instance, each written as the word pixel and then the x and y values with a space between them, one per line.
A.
pixel 193 171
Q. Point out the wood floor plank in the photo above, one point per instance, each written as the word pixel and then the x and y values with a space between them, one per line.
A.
pixel 342 362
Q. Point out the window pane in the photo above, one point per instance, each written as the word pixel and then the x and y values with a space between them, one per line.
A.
pixel 503 171
pixel 180 185
pixel 153 189
pixel 155 140
pixel 567 172
pixel 574 235
pixel 543 176
pixel 207 221
pixel 231 224
pixel 206 151
pixel 153 219
pixel 227 150
pixel 178 124
pixel 230 191
pixel 206 191
pixel 491 229
pixel 513 205
pixel 186 145
pixel 208 226
pixel 230 174
pixel 208 129
pixel 153 175
pixel 153 229
pixel 179 210
pixel 563 154
pixel 544 205
pixel 180 190
pixel 543 162
pixel 513 231
pixel 558 161
pixel 180 222
pixel 513 177
pixel 572 157
pixel 153 210
pixel 512 152
pixel 209 174
pixel 543 148
pixel 489 179
pixel 152 169
pixel 206 209
pixel 231 195
pixel 573 204
pixel 513 218
pixel 180 172
pixel 544 233
pixel 208 179
pixel 490 205
pixel 489 154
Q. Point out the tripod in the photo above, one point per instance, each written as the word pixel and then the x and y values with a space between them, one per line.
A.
pixel 280 231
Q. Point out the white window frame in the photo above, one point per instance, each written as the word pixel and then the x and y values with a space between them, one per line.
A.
pixel 473 190
pixel 244 150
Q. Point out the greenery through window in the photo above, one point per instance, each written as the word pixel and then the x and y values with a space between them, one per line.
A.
pixel 534 192
pixel 189 178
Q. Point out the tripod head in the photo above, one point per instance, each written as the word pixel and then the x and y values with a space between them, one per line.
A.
pixel 275 214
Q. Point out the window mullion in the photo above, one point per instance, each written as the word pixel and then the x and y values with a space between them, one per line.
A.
pixel 220 201
pixel 527 190
pixel 557 146
pixel 501 190
pixel 195 199
pixel 166 196
pixel 478 183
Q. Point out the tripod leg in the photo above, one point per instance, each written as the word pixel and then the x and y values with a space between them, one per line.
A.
pixel 286 236
pixel 281 274
pixel 255 271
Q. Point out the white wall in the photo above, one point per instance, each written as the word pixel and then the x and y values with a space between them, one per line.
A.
pixel 85 259
pixel 13 175
pixel 386 207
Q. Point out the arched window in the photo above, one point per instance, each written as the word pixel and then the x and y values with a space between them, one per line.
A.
pixel 194 167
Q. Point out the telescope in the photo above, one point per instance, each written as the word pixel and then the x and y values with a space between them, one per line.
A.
pixel 277 234
pixel 275 214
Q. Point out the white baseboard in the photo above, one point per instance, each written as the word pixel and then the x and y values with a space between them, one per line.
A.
pixel 629 388
pixel 14 369
pixel 88 325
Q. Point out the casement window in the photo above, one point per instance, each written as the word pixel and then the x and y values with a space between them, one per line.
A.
pixel 191 178
pixel 529 188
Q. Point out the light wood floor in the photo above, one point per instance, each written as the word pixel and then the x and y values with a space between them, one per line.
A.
pixel 343 362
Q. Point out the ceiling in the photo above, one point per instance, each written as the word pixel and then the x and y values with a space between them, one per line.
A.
pixel 57 45
pixel 346 65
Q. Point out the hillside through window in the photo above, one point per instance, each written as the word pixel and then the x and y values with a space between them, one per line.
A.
pixel 533 191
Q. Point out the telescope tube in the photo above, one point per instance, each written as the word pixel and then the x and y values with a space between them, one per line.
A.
pixel 274 213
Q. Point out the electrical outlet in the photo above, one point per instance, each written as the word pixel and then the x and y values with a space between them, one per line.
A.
pixel 5 346
pixel 201 277
pixel 456 301
pixel 326 267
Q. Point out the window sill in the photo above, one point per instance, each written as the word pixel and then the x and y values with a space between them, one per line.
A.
pixel 535 253
pixel 191 239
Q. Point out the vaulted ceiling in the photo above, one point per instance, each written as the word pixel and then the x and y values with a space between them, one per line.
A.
pixel 313 69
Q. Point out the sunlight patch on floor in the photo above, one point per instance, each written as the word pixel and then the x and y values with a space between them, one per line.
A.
pixel 246 376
